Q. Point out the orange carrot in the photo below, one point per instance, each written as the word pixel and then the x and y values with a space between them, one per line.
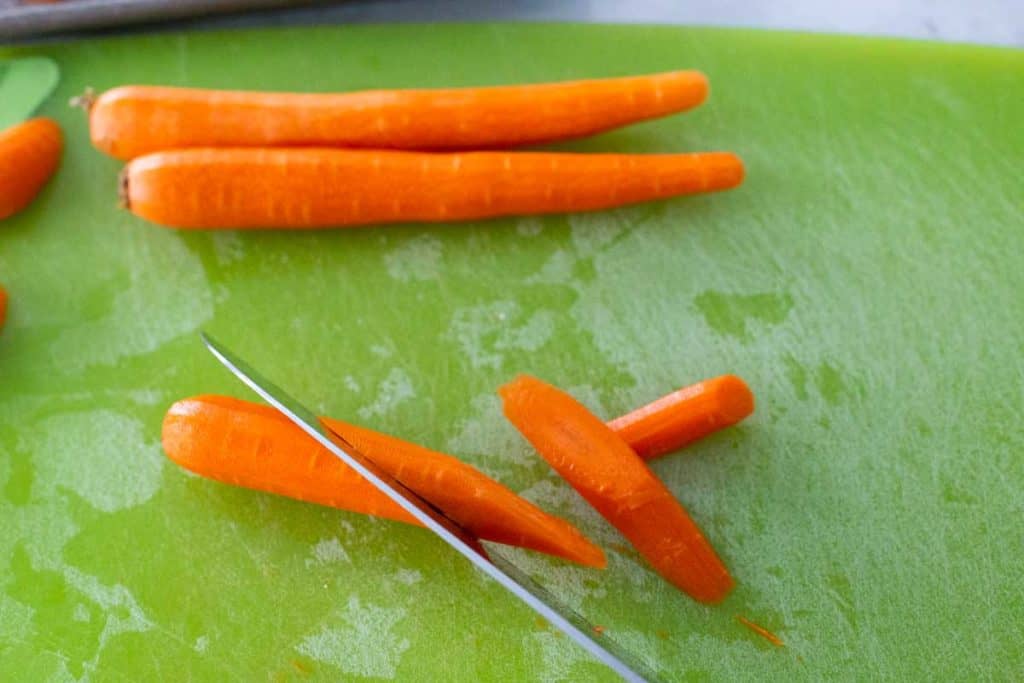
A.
pixel 617 483
pixel 475 501
pixel 316 188
pixel 133 120
pixel 3 306
pixel 682 417
pixel 29 153
pixel 255 446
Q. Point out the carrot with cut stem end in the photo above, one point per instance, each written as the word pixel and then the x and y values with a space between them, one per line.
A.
pixel 255 446
pixel 133 120
pixel 319 188
pixel 617 483
pixel 684 416
pixel 29 154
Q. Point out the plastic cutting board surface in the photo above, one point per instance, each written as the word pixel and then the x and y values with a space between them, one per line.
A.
pixel 866 280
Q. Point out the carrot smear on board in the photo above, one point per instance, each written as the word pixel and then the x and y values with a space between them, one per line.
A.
pixel 29 155
pixel 256 447
pixel 617 483
pixel 684 416
pixel 761 631
pixel 320 188
pixel 133 120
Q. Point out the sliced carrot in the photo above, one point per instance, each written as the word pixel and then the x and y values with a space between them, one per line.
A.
pixel 254 446
pixel 470 497
pixel 684 416
pixel 250 445
pixel 617 483
pixel 29 154
pixel 3 306
pixel 318 188
pixel 133 120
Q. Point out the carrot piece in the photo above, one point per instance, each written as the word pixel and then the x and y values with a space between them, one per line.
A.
pixel 254 446
pixel 684 416
pixel 3 306
pixel 29 154
pixel 316 188
pixel 470 497
pixel 617 483
pixel 133 120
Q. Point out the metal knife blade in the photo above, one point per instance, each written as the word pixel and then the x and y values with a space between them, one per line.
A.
pixel 499 569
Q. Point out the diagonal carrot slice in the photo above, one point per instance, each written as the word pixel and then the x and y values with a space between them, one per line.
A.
pixel 616 482
pixel 254 446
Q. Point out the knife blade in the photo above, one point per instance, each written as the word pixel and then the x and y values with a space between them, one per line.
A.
pixel 493 565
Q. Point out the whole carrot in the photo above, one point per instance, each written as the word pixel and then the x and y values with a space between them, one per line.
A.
pixel 617 483
pixel 684 416
pixel 29 154
pixel 318 188
pixel 256 447
pixel 133 120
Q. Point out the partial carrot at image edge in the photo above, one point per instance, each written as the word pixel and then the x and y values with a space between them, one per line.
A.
pixel 615 481
pixel 29 156
pixel 306 188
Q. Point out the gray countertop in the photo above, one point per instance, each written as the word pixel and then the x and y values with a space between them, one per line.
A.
pixel 996 22
pixel 993 22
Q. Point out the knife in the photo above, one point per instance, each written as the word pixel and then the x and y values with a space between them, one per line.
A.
pixel 501 570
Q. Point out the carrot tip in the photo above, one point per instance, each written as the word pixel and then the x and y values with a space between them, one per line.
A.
pixel 84 101
pixel 730 172
pixel 735 399
pixel 705 88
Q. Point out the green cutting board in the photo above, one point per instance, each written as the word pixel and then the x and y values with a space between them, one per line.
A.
pixel 866 281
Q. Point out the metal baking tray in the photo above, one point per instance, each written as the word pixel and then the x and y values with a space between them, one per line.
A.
pixel 24 19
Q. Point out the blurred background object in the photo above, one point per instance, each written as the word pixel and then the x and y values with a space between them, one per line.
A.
pixel 35 18
pixel 996 22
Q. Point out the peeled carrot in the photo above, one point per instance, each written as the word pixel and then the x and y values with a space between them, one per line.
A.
pixel 617 483
pixel 29 154
pixel 317 188
pixel 684 416
pixel 256 447
pixel 133 120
